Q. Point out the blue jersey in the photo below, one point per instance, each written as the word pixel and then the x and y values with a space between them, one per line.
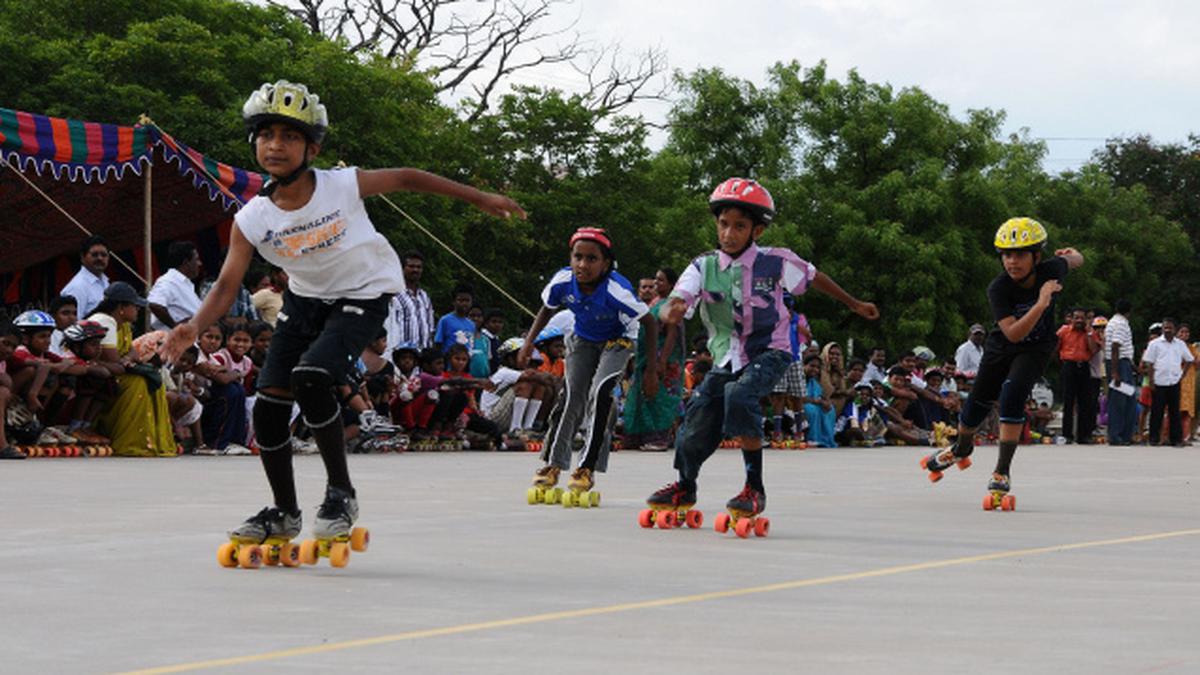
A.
pixel 604 314
pixel 454 329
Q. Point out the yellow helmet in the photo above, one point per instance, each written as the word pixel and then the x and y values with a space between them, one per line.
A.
pixel 289 103
pixel 1020 234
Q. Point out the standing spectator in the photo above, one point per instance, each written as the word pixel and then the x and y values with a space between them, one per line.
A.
pixel 968 354
pixel 454 328
pixel 1166 360
pixel 88 284
pixel 173 297
pixel 493 325
pixel 1096 372
pixel 410 313
pixel 480 346
pixel 876 365
pixel 268 301
pixel 646 290
pixel 1187 385
pixel 1075 349
pixel 10 339
pixel 650 420
pixel 1122 388
pixel 65 312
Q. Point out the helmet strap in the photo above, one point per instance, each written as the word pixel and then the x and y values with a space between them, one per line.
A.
pixel 269 189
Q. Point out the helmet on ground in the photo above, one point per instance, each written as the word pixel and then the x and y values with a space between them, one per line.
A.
pixel 1020 234
pixel 34 320
pixel 289 103
pixel 84 331
pixel 510 346
pixel 745 194
pixel 548 334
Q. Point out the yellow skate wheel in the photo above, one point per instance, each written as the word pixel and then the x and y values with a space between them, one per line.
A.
pixel 227 554
pixel 583 500
pixel 532 496
pixel 289 555
pixel 310 551
pixel 594 499
pixel 360 538
pixel 250 557
pixel 270 554
pixel 339 554
pixel 553 496
pixel 567 499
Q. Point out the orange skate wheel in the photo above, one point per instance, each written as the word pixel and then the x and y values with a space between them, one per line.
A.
pixel 989 502
pixel 360 538
pixel 742 527
pixel 289 555
pixel 250 557
pixel 665 519
pixel 722 523
pixel 646 518
pixel 693 519
pixel 52 451
pixel 309 551
pixel 925 462
pixel 227 554
pixel 935 476
pixel 1008 503
pixel 964 463
pixel 270 554
pixel 762 526
pixel 339 554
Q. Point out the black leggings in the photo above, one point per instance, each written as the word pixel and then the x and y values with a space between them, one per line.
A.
pixel 1008 376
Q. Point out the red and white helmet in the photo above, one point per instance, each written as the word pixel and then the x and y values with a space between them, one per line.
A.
pixel 745 194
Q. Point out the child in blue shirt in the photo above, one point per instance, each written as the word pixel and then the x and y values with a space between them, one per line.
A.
pixel 457 328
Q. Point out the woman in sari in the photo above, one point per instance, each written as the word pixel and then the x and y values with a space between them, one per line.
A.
pixel 139 420
pixel 650 420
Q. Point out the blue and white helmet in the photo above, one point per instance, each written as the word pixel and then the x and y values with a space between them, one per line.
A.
pixel 548 334
pixel 34 320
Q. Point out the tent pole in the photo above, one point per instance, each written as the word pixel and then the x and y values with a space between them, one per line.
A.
pixel 147 251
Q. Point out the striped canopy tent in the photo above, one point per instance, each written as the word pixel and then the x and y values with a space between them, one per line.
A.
pixel 99 173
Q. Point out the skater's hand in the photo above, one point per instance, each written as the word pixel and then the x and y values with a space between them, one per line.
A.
pixel 1046 293
pixel 178 340
pixel 866 310
pixel 676 308
pixel 499 206
pixel 650 382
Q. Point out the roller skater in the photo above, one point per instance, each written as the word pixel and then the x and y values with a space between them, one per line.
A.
pixel 740 289
pixel 342 273
pixel 1015 352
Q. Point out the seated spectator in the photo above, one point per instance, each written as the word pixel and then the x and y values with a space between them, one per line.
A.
pixel 183 397
pixel 173 297
pixel 94 385
pixel 407 385
pixel 36 372
pixel 379 374
pixel 260 339
pixel 859 423
pixel 65 312
pixel 458 387
pixel 222 369
pixel 139 420
pixel 904 397
pixel 269 300
pixel 818 410
pixel 510 395
pixel 10 339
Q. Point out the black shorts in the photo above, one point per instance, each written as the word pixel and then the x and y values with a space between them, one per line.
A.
pixel 328 334
pixel 1008 376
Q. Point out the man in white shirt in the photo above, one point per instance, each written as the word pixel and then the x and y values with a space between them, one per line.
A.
pixel 876 366
pixel 1166 360
pixel 1122 387
pixel 969 353
pixel 173 297
pixel 88 284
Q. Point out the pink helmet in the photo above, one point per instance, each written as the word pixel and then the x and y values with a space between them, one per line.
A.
pixel 744 194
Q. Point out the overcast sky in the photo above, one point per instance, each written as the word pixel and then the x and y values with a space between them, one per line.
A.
pixel 1066 70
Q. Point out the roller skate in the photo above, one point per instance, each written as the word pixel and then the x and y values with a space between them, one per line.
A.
pixel 579 490
pixel 998 497
pixel 742 514
pixel 263 538
pixel 942 459
pixel 544 490
pixel 334 530
pixel 671 507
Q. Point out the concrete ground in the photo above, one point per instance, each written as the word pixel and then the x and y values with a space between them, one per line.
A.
pixel 110 566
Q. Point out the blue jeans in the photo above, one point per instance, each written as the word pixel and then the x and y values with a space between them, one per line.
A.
pixel 1122 409
pixel 726 405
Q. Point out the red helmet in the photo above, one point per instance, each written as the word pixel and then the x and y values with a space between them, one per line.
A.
pixel 596 234
pixel 744 194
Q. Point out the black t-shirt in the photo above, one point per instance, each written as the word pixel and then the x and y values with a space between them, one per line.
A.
pixel 1008 299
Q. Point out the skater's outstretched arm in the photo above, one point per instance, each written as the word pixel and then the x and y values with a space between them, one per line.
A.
pixel 380 181
pixel 539 322
pixel 824 283
pixel 1074 258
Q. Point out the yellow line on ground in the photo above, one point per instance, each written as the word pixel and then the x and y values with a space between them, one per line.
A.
pixel 651 604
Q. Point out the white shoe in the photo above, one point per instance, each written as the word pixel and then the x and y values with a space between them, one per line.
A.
pixel 235 449
pixel 304 447
pixel 205 451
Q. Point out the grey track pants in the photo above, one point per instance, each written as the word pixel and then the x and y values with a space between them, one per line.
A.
pixel 592 370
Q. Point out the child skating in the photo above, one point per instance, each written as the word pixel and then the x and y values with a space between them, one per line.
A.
pixel 342 273
pixel 1015 352
pixel 607 312
pixel 739 288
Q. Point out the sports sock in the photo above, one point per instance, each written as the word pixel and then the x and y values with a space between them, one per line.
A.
pixel 1004 461
pixel 278 465
pixel 753 459
pixel 518 414
pixel 531 412
pixel 331 441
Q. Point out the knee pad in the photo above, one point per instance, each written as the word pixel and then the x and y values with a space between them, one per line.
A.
pixel 313 388
pixel 976 412
pixel 272 422
pixel 1012 401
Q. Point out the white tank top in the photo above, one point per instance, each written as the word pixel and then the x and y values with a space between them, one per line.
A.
pixel 328 247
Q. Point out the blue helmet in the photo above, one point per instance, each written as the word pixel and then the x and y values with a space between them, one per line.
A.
pixel 548 334
pixel 34 320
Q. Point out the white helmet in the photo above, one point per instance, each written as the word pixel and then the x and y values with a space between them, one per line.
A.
pixel 289 103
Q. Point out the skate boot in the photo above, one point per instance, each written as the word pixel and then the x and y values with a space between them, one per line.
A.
pixel 671 506
pixel 263 538
pixel 742 513
pixel 334 530
pixel 544 490
pixel 579 490
pixel 943 458
pixel 998 497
